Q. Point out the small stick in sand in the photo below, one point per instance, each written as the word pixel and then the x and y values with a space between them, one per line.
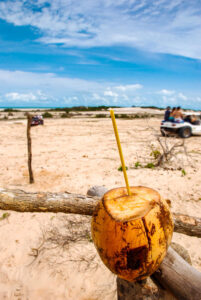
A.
pixel 120 151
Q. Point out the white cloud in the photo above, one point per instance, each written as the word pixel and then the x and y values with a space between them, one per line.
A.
pixel 110 94
pixel 44 88
pixel 129 87
pixel 125 97
pixel 22 97
pixel 51 89
pixel 42 95
pixel 173 98
pixel 48 89
pixel 124 91
pixel 96 96
pixel 48 81
pixel 169 101
pixel 123 94
pixel 166 92
pixel 27 97
pixel 182 96
pixel 166 26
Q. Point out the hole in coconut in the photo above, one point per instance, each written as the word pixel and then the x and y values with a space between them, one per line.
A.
pixel 122 207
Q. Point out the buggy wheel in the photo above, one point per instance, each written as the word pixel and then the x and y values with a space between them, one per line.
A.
pixel 185 132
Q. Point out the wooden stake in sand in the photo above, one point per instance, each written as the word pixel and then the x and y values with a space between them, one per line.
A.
pixel 120 151
pixel 31 178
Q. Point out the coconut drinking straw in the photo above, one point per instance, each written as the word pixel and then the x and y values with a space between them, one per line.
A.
pixel 120 150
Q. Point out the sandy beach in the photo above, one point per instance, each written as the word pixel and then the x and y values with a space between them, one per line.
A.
pixel 73 155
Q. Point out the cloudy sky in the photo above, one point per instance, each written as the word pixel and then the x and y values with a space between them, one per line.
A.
pixel 100 52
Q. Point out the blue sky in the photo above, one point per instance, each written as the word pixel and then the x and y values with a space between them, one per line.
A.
pixel 103 52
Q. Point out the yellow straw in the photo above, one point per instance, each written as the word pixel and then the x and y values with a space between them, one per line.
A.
pixel 120 151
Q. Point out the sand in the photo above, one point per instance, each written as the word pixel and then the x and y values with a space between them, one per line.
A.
pixel 73 155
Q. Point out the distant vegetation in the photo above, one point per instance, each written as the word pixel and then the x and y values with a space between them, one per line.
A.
pixel 83 108
pixel 133 116
pixel 150 107
pixel 10 110
pixel 163 108
pixel 47 115
pixel 101 116
pixel 65 115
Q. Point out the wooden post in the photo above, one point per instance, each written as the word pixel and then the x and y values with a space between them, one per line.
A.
pixel 31 178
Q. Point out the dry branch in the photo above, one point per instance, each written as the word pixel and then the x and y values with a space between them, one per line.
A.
pixel 168 152
pixel 21 201
pixel 168 149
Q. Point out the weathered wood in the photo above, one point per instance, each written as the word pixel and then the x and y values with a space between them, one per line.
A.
pixel 182 251
pixel 180 278
pixel 187 225
pixel 21 201
pixel 143 290
pixel 29 148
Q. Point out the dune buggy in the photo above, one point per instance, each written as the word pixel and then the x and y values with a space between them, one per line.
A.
pixel 191 125
pixel 37 120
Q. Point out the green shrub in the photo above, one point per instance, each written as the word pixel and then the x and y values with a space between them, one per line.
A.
pixel 83 108
pixel 183 172
pixel 122 116
pixel 149 166
pixel 120 168
pixel 10 110
pixel 4 216
pixel 155 153
pixel 65 115
pixel 133 116
pixel 47 115
pixel 100 116
pixel 138 164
